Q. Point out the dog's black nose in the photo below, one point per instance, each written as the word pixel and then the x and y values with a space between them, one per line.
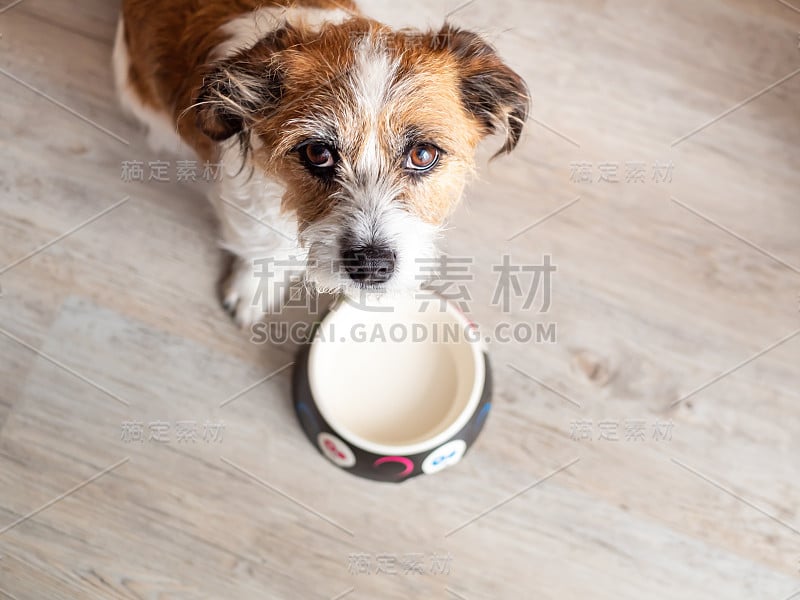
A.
pixel 369 264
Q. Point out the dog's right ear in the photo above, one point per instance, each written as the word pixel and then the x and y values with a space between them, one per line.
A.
pixel 236 91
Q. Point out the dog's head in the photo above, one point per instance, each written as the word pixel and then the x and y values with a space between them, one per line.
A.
pixel 372 131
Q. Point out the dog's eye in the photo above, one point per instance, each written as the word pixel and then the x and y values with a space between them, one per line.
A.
pixel 422 157
pixel 318 155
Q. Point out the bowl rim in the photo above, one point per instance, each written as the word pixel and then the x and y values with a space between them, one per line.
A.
pixel 463 418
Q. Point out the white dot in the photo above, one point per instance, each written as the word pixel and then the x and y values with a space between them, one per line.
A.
pixel 444 456
pixel 336 450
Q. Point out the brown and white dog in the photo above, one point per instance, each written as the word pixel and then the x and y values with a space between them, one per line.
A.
pixel 343 142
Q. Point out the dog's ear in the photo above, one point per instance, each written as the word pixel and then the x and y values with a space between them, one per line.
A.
pixel 232 95
pixel 238 90
pixel 491 91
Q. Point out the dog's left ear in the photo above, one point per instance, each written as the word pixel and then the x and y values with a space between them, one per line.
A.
pixel 238 90
pixel 233 93
pixel 491 91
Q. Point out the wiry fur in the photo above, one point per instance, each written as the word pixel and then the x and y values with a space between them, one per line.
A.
pixel 247 82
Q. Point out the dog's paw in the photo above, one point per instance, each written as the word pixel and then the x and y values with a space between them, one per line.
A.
pixel 253 290
pixel 245 294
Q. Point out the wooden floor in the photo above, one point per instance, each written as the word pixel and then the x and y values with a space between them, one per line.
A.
pixel 681 278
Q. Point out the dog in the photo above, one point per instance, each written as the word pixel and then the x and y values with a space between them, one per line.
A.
pixel 344 144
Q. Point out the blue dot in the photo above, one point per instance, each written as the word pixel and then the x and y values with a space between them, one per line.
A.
pixel 440 459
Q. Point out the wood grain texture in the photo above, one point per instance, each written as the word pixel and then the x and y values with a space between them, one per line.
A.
pixel 661 287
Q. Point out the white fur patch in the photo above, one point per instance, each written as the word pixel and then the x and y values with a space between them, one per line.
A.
pixel 371 81
pixel 248 206
pixel 244 31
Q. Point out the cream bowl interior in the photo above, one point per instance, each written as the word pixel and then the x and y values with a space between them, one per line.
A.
pixel 401 395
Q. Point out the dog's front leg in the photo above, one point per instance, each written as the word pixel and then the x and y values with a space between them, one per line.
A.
pixel 263 240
